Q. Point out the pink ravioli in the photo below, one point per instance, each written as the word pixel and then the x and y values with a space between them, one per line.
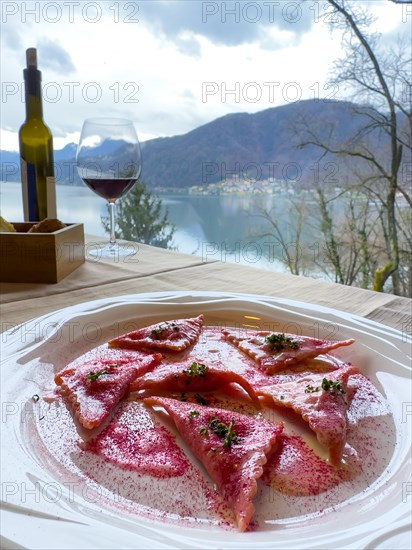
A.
pixel 275 351
pixel 324 409
pixel 95 387
pixel 231 446
pixel 175 335
pixel 191 376
pixel 135 442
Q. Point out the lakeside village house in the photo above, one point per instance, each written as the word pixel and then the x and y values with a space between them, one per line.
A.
pixel 242 186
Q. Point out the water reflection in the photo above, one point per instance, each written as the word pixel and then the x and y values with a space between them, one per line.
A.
pixel 220 227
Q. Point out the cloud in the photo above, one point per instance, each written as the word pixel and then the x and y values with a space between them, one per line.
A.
pixel 188 44
pixel 226 23
pixel 52 56
pixel 11 38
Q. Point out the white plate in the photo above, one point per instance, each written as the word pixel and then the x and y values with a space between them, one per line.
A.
pixel 37 512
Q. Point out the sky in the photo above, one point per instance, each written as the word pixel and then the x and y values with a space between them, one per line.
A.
pixel 170 66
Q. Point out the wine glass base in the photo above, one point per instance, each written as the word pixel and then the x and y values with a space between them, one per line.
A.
pixel 113 251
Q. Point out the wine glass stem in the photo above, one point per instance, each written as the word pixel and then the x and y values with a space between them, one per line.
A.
pixel 112 224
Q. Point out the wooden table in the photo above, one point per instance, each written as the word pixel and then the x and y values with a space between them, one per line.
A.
pixel 153 269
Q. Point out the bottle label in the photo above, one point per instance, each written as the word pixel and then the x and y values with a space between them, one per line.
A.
pixel 28 180
pixel 30 199
pixel 51 197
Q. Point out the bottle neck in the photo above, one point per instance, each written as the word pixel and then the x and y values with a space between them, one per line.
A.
pixel 32 84
pixel 34 108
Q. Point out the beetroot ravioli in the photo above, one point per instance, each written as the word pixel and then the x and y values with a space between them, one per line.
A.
pixel 194 376
pixel 95 387
pixel 322 401
pixel 176 335
pixel 274 351
pixel 232 447
pixel 170 365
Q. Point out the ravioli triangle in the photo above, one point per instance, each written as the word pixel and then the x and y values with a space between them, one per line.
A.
pixel 95 387
pixel 232 447
pixel 192 376
pixel 175 335
pixel 322 401
pixel 274 351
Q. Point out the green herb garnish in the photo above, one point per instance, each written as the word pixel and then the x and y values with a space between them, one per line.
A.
pixel 158 332
pixel 218 427
pixel 280 342
pixel 230 437
pixel 331 387
pixel 196 369
pixel 204 431
pixel 223 431
pixel 311 389
pixel 327 385
pixel 192 414
pixel 93 376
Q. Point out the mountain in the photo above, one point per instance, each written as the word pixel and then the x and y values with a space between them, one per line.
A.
pixel 68 152
pixel 256 146
pixel 64 162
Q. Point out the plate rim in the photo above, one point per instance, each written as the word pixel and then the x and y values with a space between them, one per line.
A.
pixel 162 297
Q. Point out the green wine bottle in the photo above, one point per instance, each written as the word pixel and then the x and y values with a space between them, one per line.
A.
pixel 36 150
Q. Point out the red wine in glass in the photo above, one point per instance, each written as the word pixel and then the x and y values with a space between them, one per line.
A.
pixel 110 189
pixel 109 162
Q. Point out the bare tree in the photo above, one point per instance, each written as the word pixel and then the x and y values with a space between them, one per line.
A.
pixel 381 80
pixel 348 251
pixel 287 242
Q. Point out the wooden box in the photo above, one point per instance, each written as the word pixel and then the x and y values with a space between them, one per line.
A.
pixel 40 257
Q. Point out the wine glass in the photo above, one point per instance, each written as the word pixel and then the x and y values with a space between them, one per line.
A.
pixel 109 162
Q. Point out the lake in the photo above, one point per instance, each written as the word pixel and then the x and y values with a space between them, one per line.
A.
pixel 224 227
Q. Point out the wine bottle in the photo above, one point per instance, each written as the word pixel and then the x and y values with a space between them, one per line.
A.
pixel 36 150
